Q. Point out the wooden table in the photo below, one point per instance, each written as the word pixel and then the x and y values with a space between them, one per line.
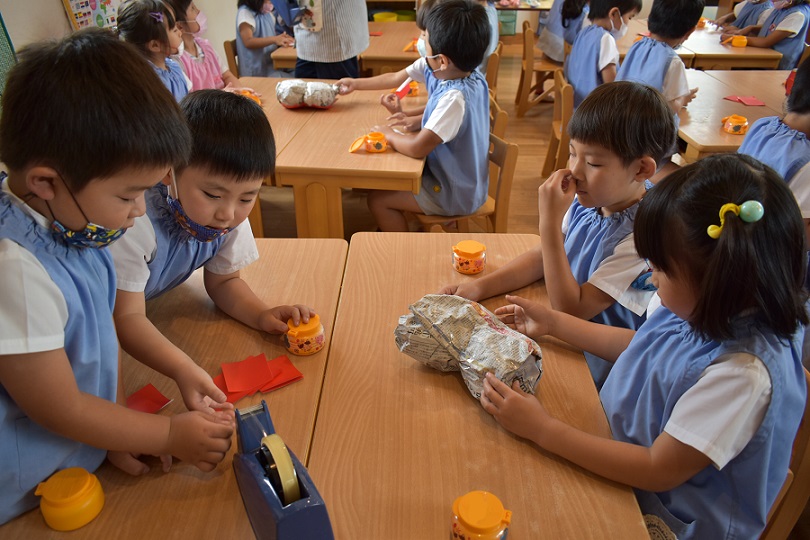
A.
pixel 318 165
pixel 187 503
pixel 710 54
pixel 542 5
pixel 384 53
pixel 701 120
pixel 637 28
pixel 767 85
pixel 396 442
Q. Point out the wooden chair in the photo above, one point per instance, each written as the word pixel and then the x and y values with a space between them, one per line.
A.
pixel 498 118
pixel 541 70
pixel 493 64
pixel 502 161
pixel 795 491
pixel 230 55
pixel 557 156
pixel 805 53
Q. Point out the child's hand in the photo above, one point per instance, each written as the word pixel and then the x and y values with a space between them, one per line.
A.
pixel 391 102
pixel 690 96
pixel 529 318
pixel 274 320
pixel 407 123
pixel 513 408
pixel 128 462
pixel 468 290
pixel 199 391
pixel 202 439
pixel 284 40
pixel 555 196
pixel 347 85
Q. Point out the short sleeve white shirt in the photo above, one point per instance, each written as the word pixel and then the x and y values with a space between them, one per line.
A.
pixel 675 83
pixel 608 52
pixel 792 24
pixel 448 115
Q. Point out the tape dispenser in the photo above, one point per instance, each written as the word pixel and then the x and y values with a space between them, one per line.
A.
pixel 280 498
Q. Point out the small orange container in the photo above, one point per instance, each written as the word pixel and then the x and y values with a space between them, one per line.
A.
pixel 739 41
pixel 413 88
pixel 735 124
pixel 373 142
pixel 469 257
pixel 306 338
pixel 71 498
pixel 479 515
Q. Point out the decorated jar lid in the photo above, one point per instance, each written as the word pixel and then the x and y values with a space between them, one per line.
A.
pixel 480 514
pixel 71 498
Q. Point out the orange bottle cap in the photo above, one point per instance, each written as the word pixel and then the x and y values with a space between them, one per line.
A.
pixel 481 512
pixel 303 330
pixel 469 249
pixel 71 498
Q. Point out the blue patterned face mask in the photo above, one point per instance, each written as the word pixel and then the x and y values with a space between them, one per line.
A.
pixel 201 233
pixel 92 236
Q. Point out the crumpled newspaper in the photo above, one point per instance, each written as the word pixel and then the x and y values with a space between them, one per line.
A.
pixel 294 93
pixel 451 333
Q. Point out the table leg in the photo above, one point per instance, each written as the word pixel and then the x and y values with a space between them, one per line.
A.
pixel 318 211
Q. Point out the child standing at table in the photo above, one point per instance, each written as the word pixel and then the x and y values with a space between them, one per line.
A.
pixel 565 20
pixel 75 183
pixel 705 401
pixel 652 60
pixel 454 135
pixel 150 26
pixel 256 39
pixel 746 13
pixel 782 29
pixel 591 268
pixel 198 219
pixel 594 57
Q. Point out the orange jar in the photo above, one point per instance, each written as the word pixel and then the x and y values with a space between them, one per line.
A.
pixel 306 338
pixel 71 498
pixel 479 515
pixel 735 124
pixel 469 257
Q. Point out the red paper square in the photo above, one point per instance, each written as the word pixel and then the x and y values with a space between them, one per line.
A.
pixel 287 373
pixel 250 373
pixel 231 397
pixel 148 399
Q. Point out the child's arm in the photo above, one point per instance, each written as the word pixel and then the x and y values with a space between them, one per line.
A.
pixel 378 82
pixel 418 145
pixel 230 79
pixel 555 196
pixel 232 295
pixel 252 42
pixel 536 320
pixel 43 386
pixel 727 18
pixel 665 465
pixel 140 338
pixel 768 41
pixel 608 73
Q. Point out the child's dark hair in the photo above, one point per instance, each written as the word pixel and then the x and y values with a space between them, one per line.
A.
pixel 630 119
pixel 459 29
pixel 423 12
pixel 799 99
pixel 601 8
pixel 89 106
pixel 180 7
pixel 571 9
pixel 253 5
pixel 231 135
pixel 759 265
pixel 673 19
pixel 141 21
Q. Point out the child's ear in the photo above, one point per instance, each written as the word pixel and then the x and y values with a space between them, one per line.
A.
pixel 154 46
pixel 646 169
pixel 167 180
pixel 40 181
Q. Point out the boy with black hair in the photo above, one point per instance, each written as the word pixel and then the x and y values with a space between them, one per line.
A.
pixel 454 134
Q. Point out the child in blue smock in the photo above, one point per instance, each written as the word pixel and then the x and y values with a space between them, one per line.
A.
pixel 782 29
pixel 454 134
pixel 744 14
pixel 197 219
pixel 494 33
pixel 587 257
pixel 151 26
pixel 565 20
pixel 652 60
pixel 704 400
pixel 594 57
pixel 256 39
pixel 75 183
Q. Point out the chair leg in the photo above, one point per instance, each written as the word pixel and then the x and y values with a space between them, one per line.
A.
pixel 520 86
pixel 463 225
pixel 551 156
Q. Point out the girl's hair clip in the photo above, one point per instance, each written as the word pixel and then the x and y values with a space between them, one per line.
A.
pixel 158 16
pixel 749 212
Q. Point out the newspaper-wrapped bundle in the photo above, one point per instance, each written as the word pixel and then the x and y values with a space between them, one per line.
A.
pixel 294 93
pixel 451 333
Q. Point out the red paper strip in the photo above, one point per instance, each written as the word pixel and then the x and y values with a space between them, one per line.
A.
pixel 251 372
pixel 375 34
pixel 148 399
pixel 746 100
pixel 287 373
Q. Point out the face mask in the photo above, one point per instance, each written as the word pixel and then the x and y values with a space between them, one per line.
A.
pixel 620 32
pixel 92 236
pixel 441 68
pixel 202 21
pixel 201 233
pixel 267 7
pixel 420 47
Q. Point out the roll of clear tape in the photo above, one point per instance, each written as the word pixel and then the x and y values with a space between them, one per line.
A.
pixel 282 467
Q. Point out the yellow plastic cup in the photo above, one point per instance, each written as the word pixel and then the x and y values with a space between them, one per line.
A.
pixel 479 515
pixel 71 498
pixel 306 338
pixel 385 16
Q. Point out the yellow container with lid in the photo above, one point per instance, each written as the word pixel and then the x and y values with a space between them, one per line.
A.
pixel 735 124
pixel 479 515
pixel 306 338
pixel 469 257
pixel 71 498
pixel 385 16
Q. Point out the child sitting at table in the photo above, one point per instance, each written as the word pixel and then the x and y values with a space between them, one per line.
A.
pixel 594 57
pixel 150 26
pixel 197 219
pixel 454 137
pixel 782 29
pixel 256 39
pixel 76 179
pixel 565 21
pixel 591 269
pixel 705 400
pixel 744 14
pixel 494 34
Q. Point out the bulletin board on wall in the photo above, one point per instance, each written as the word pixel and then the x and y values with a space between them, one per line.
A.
pixel 92 13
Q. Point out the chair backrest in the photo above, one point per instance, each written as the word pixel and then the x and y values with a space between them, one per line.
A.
pixel 563 111
pixel 493 64
pixel 795 491
pixel 498 118
pixel 230 55
pixel 528 46
pixel 502 161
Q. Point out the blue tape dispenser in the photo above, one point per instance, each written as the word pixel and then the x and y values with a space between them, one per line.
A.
pixel 280 498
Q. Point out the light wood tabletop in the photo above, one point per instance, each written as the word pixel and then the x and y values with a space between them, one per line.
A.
pixel 702 120
pixel 187 503
pixel 766 85
pixel 396 442
pixel 318 165
pixel 711 54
